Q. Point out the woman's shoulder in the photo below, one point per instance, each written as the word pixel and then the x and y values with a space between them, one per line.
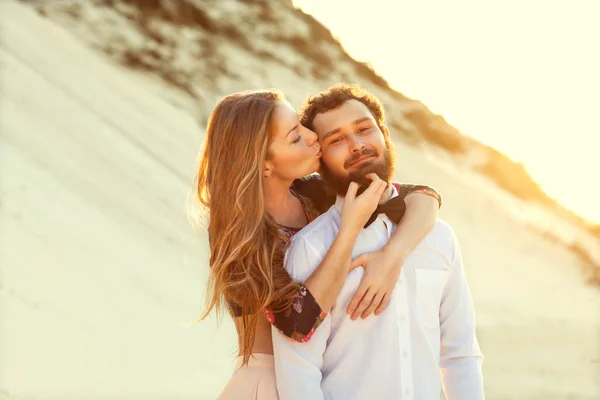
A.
pixel 308 184
pixel 404 189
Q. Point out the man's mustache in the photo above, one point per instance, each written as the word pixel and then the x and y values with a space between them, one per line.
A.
pixel 356 156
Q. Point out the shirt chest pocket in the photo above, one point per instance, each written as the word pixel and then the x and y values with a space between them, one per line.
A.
pixel 430 287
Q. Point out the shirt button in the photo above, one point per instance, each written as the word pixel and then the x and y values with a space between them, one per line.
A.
pixel 407 391
pixel 404 354
pixel 402 318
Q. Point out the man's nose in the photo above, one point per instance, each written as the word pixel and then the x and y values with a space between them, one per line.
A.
pixel 356 144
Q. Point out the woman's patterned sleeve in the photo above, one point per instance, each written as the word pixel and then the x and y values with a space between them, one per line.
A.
pixel 300 321
pixel 314 188
pixel 404 189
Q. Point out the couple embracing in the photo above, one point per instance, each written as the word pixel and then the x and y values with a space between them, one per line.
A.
pixel 342 284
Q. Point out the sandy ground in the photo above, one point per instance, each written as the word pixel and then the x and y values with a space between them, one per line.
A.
pixel 100 272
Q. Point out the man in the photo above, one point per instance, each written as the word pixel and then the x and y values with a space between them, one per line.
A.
pixel 429 326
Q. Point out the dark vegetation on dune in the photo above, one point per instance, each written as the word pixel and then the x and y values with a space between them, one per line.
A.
pixel 161 48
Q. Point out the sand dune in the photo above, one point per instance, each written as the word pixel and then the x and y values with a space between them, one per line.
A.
pixel 100 271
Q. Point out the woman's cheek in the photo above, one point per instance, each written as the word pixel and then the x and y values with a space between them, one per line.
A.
pixel 307 155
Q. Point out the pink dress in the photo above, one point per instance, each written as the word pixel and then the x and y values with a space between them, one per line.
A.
pixel 256 381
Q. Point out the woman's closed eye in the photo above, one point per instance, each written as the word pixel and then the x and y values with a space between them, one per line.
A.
pixel 364 129
pixel 297 139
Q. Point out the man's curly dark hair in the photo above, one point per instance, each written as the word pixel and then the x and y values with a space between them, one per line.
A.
pixel 334 97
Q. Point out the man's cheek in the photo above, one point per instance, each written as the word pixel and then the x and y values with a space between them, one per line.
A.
pixel 335 160
pixel 334 167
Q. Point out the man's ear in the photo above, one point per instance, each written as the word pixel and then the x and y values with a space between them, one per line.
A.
pixel 385 130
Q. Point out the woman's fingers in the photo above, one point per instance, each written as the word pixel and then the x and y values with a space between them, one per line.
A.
pixel 373 176
pixel 364 303
pixel 360 292
pixel 374 303
pixel 360 261
pixel 372 194
pixel 384 303
pixel 377 185
pixel 351 192
pixel 382 188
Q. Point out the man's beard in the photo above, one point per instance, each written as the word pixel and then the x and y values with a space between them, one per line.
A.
pixel 384 169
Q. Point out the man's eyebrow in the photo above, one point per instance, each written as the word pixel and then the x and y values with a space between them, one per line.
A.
pixel 291 130
pixel 358 121
pixel 337 130
pixel 331 132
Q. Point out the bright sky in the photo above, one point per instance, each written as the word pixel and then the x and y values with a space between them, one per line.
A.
pixel 520 75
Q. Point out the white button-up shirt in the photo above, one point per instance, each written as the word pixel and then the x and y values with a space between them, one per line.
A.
pixel 427 329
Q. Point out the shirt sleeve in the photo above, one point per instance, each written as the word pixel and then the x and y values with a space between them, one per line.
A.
pixel 405 189
pixel 298 365
pixel 300 321
pixel 460 356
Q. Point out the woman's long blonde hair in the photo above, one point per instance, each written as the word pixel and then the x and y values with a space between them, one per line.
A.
pixel 246 244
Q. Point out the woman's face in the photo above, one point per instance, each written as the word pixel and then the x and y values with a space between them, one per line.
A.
pixel 294 150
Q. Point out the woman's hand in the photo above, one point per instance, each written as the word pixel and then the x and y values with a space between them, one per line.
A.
pixel 327 280
pixel 357 210
pixel 382 269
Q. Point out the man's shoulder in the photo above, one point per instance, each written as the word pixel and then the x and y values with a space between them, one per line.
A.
pixel 310 244
pixel 319 229
pixel 441 238
pixel 442 228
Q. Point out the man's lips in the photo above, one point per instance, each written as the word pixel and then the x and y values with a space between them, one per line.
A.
pixel 363 158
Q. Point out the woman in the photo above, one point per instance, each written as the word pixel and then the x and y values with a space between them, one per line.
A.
pixel 254 153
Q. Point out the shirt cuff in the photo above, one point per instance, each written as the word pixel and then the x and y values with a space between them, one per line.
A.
pixel 427 191
pixel 299 321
